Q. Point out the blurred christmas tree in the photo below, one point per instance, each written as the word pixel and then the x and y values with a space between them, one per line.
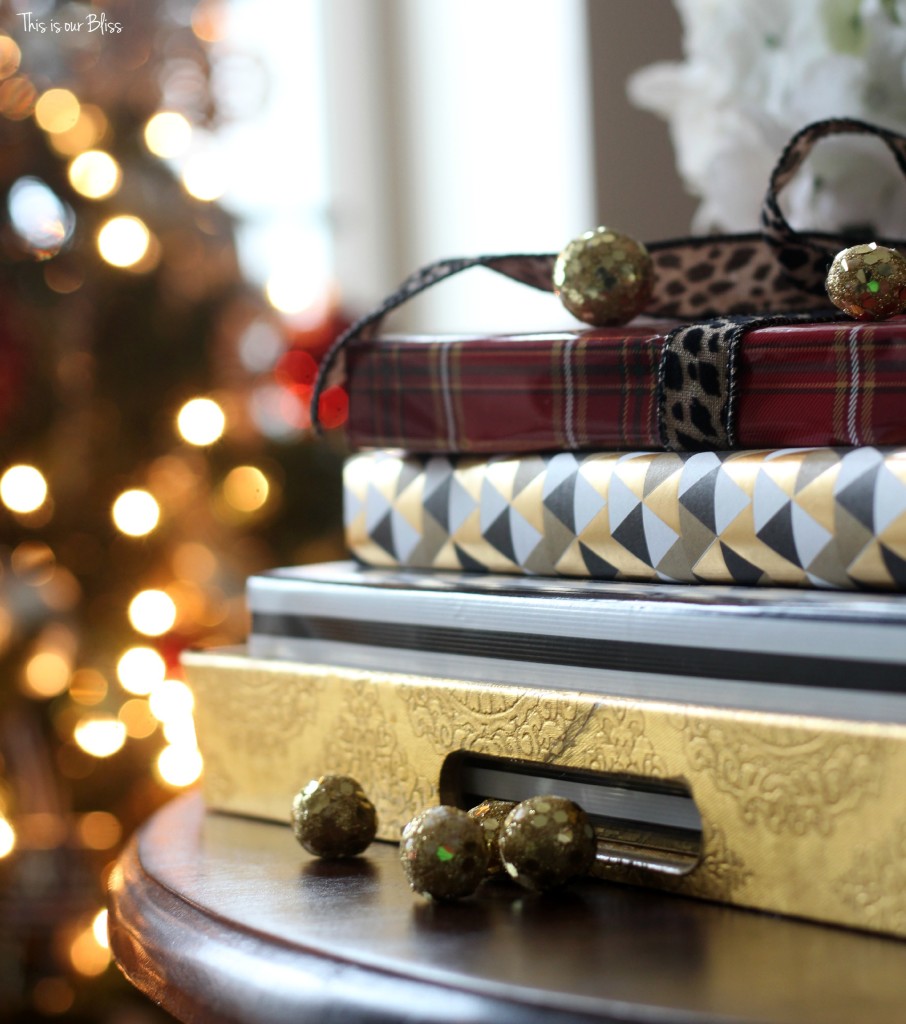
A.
pixel 150 461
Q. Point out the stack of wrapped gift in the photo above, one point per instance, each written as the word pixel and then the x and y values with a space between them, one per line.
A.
pixel 650 567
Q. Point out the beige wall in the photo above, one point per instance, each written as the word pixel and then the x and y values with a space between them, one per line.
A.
pixel 638 190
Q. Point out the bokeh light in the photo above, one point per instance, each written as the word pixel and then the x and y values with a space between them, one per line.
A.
pixel 23 489
pixel 52 996
pixel 88 131
pixel 152 612
pixel 140 669
pixel 7 838
pixel 136 512
pixel 99 830
pixel 57 110
pixel 10 57
pixel 95 174
pixel 123 241
pixel 100 736
pixel 136 715
pixel 289 291
pixel 87 955
pixel 87 686
pixel 201 421
pixel 204 176
pixel 168 134
pixel 47 673
pixel 171 699
pixel 17 98
pixel 179 766
pixel 246 488
pixel 39 217
pixel 99 929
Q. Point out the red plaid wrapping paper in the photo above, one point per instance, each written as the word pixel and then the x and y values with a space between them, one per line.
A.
pixel 836 384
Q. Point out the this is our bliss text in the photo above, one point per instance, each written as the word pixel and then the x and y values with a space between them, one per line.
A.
pixel 92 23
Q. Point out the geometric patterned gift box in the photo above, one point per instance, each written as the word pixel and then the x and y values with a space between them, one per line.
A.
pixel 813 517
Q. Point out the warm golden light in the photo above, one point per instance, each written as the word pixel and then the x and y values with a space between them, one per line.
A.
pixel 136 715
pixel 87 955
pixel 10 56
pixel 7 838
pixel 246 488
pixel 201 421
pixel 123 241
pixel 179 765
pixel 47 673
pixel 17 98
pixel 52 996
pixel 57 111
pixel 136 513
pixel 140 669
pixel 152 612
pixel 204 177
pixel 95 174
pixel 23 489
pixel 168 134
pixel 88 131
pixel 99 830
pixel 171 699
pixel 99 929
pixel 87 686
pixel 290 292
pixel 100 737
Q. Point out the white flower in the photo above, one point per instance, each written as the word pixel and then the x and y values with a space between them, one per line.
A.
pixel 755 72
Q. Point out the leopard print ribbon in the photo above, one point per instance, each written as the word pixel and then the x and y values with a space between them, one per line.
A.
pixel 724 285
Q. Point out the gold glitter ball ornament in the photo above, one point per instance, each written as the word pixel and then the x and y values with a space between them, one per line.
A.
pixel 332 817
pixel 868 281
pixel 443 853
pixel 490 815
pixel 604 278
pixel 546 841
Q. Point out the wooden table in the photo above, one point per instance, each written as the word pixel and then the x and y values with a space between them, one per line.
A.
pixel 224 919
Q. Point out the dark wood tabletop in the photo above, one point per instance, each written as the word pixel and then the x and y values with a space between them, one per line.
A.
pixel 220 918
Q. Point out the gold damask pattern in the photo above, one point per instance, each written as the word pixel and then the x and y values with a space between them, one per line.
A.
pixel 788 780
pixel 799 815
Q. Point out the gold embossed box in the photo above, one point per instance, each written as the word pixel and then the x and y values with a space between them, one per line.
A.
pixel 792 813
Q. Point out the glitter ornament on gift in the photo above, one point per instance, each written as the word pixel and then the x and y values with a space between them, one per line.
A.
pixel 546 841
pixel 443 853
pixel 868 281
pixel 332 817
pixel 604 278
pixel 490 815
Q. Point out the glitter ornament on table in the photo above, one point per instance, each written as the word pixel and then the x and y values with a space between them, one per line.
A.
pixel 332 817
pixel 868 281
pixel 490 815
pixel 443 853
pixel 546 841
pixel 604 278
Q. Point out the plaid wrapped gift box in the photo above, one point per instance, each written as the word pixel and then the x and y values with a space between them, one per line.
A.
pixel 808 384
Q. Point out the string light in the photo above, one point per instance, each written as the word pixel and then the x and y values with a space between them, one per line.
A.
pixel 102 736
pixel 99 929
pixel 168 134
pixel 140 669
pixel 201 421
pixel 95 174
pixel 123 241
pixel 23 489
pixel 204 177
pixel 7 838
pixel 246 488
pixel 179 766
pixel 171 699
pixel 152 612
pixel 10 57
pixel 57 111
pixel 136 715
pixel 136 512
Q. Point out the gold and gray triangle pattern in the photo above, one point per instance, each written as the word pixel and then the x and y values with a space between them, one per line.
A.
pixel 820 517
